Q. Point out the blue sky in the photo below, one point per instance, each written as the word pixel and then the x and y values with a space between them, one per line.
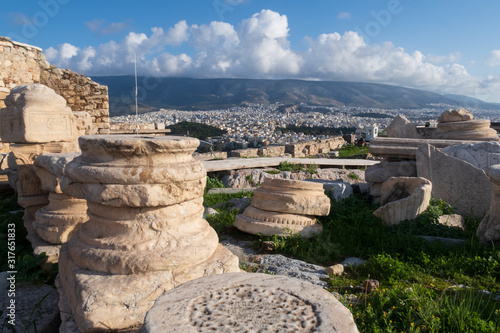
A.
pixel 442 46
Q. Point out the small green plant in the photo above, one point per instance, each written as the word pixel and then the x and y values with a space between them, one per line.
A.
pixel 219 221
pixel 272 172
pixel 312 168
pixel 213 182
pixel 249 179
pixel 352 175
pixel 293 167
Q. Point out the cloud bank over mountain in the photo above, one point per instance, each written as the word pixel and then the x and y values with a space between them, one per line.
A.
pixel 258 47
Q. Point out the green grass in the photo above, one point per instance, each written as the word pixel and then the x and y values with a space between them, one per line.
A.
pixel 417 278
pixel 424 287
pixel 272 172
pixel 226 216
pixel 352 151
pixel 353 176
pixel 295 167
pixel 213 182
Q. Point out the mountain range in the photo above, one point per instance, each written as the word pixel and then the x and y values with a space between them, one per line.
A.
pixel 202 94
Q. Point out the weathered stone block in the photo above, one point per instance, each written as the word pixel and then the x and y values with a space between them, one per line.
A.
pixel 403 198
pixel 36 114
pixel 248 302
pixel 291 196
pixel 457 182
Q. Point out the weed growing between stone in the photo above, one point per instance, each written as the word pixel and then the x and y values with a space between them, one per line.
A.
pixel 424 287
pixel 213 182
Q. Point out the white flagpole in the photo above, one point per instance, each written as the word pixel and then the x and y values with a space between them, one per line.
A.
pixel 136 108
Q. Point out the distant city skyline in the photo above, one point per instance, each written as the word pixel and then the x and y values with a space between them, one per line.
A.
pixel 450 47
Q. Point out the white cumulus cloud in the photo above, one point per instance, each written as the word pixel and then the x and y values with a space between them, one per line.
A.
pixel 259 47
pixel 493 58
pixel 443 59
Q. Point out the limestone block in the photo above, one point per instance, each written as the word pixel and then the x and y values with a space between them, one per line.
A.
pixel 341 191
pixel 457 182
pixel 291 196
pixel 481 155
pixel 83 123
pixel 381 172
pixel 455 115
pixel 34 113
pixel 337 269
pixel 272 151
pixel 452 220
pixel 401 127
pixel 101 303
pixel 255 221
pixel 251 152
pixel 406 148
pixel 489 228
pixel 240 302
pixel 403 198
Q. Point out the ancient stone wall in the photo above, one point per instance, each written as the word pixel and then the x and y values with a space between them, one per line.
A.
pixel 310 148
pixel 81 93
pixel 25 64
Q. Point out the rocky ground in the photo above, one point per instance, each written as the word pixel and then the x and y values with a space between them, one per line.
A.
pixel 251 177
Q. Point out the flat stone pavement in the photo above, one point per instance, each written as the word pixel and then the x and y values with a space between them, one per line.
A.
pixel 262 162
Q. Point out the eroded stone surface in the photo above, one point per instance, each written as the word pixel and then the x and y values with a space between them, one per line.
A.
pixel 125 240
pixel 34 113
pixel 460 125
pixel 459 183
pixel 291 196
pixel 401 127
pixel 489 228
pixel 63 216
pixel 481 155
pixel 249 302
pixel 403 198
pixel 255 221
pixel 104 302
pixel 282 207
pixel 455 115
pixel 83 123
pixel 157 172
pixel 381 172
pixel 452 220
pixel 145 233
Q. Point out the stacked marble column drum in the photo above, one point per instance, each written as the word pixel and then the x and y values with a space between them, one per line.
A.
pixel 282 206
pixel 145 233
pixel 37 121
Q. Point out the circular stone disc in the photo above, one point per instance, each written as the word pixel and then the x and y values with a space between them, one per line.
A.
pixel 246 302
